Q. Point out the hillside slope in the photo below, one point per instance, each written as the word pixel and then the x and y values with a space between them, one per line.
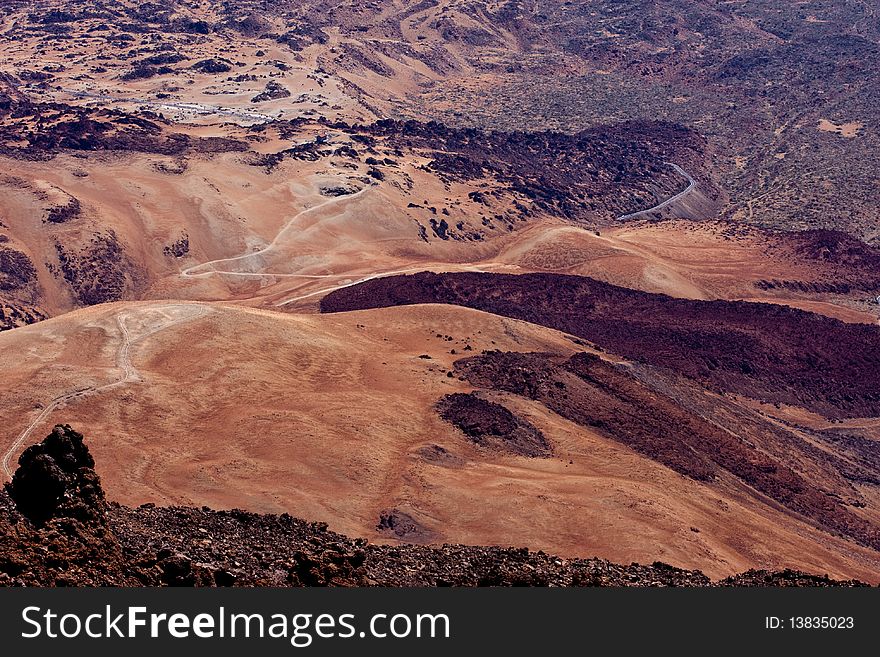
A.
pixel 335 418
pixel 88 542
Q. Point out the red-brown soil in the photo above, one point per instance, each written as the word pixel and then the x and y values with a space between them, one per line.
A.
pixel 593 393
pixel 333 418
pixel 86 542
pixel 191 169
pixel 772 353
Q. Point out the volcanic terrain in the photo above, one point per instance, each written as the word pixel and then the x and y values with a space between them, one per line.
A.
pixel 594 278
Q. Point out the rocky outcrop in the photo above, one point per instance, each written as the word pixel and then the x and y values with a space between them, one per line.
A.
pixel 14 315
pixel 16 270
pixel 10 97
pixel 401 525
pixel 338 190
pixel 56 479
pixel 63 213
pixel 98 273
pixel 178 248
pixel 212 66
pixel 493 426
pixel 273 91
pixel 19 287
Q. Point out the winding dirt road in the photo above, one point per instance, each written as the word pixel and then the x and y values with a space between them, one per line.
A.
pixel 371 277
pixel 130 373
pixel 672 199
pixel 209 267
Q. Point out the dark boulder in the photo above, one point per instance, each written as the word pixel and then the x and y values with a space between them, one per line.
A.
pixel 56 479
pixel 212 66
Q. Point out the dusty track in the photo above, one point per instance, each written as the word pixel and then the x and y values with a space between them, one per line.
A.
pixel 208 268
pixel 130 373
pixel 371 277
pixel 190 272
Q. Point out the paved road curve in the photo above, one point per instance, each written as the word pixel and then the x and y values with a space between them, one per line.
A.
pixel 672 199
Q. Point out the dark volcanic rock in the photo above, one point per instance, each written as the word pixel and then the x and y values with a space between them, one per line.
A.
pixel 608 399
pixel 338 190
pixel 16 269
pixel 769 352
pixel 190 26
pixel 162 58
pixel 10 97
pixel 835 247
pixel 179 248
pixel 841 263
pixel 403 526
pixel 143 72
pixel 252 25
pixel 493 426
pixel 786 577
pixel 56 479
pixel 273 91
pixel 597 174
pixel 42 131
pixel 100 272
pixel 212 66
pixel 592 393
pixel 64 213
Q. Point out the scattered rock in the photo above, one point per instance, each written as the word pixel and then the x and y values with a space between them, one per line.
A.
pixel 338 190
pixel 273 91
pixel 179 248
pixel 403 526
pixel 493 426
